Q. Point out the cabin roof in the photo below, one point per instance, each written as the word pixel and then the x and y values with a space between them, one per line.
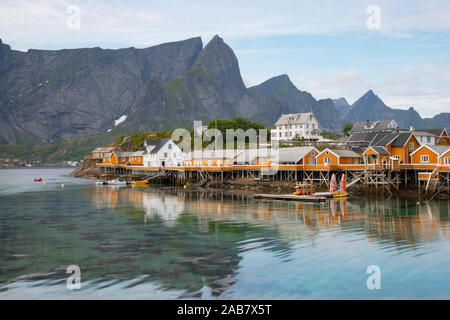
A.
pixel 294 154
pixel 401 140
pixel 249 155
pixel 158 143
pixel 131 154
pixel 104 149
pixel 294 118
pixel 436 132
pixel 380 125
pixel 342 153
pixel 362 136
pixel 383 139
pixel 380 150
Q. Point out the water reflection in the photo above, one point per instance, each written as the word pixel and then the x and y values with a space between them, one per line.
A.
pixel 156 243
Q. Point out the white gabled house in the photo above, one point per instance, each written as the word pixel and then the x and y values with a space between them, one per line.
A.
pixel 162 153
pixel 301 125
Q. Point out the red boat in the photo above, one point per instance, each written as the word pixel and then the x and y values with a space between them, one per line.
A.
pixel 37 179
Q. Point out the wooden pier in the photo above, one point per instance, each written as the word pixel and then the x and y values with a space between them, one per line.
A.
pixel 291 197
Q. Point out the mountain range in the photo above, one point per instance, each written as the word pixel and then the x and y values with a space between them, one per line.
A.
pixel 65 94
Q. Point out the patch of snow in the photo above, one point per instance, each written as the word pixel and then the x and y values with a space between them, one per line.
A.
pixel 120 120
pixel 109 130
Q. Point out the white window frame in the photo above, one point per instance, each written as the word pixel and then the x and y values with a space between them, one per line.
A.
pixel 411 146
pixel 447 161
pixel 326 160
pixel 424 158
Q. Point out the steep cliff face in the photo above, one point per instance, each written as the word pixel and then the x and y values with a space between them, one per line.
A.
pixel 212 88
pixel 71 93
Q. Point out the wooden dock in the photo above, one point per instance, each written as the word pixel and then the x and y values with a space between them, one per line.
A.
pixel 291 197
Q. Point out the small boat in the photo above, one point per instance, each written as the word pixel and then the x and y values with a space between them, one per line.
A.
pixel 141 183
pixel 339 195
pixel 37 179
pixel 304 189
pixel 100 183
pixel 117 181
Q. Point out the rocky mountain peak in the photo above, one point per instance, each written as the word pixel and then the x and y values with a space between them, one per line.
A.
pixel 220 64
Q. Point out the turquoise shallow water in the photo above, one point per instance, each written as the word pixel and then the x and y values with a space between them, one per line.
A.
pixel 147 243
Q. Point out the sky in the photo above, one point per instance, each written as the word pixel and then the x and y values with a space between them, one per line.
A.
pixel 332 49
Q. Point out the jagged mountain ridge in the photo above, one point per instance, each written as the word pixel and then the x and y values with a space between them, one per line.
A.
pixel 370 107
pixel 48 94
pixel 341 105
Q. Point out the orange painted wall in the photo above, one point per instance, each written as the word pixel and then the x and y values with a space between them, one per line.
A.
pixel 137 160
pixel 404 152
pixel 118 160
pixel 379 160
pixel 432 157
pixel 310 155
pixel 444 142
pixel 321 157
pixel 442 160
pixel 265 161
pixel 346 160
pixel 206 162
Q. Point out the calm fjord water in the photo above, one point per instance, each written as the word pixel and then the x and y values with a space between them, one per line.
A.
pixel 148 243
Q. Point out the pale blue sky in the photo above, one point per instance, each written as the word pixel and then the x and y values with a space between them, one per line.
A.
pixel 324 46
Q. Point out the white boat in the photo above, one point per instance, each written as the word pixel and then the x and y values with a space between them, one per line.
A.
pixel 117 182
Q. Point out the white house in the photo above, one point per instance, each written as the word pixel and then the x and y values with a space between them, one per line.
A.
pixel 302 125
pixel 424 137
pixel 162 153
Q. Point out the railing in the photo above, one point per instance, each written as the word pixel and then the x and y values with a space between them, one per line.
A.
pixel 307 167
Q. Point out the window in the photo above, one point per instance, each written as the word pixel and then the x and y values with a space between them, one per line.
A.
pixel 411 146
pixel 326 160
pixel 355 160
pixel 312 161
pixel 165 154
pixel 281 134
pixel 313 153
pixel 424 159
pixel 447 161
pixel 170 146
pixel 396 158
pixel 428 139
